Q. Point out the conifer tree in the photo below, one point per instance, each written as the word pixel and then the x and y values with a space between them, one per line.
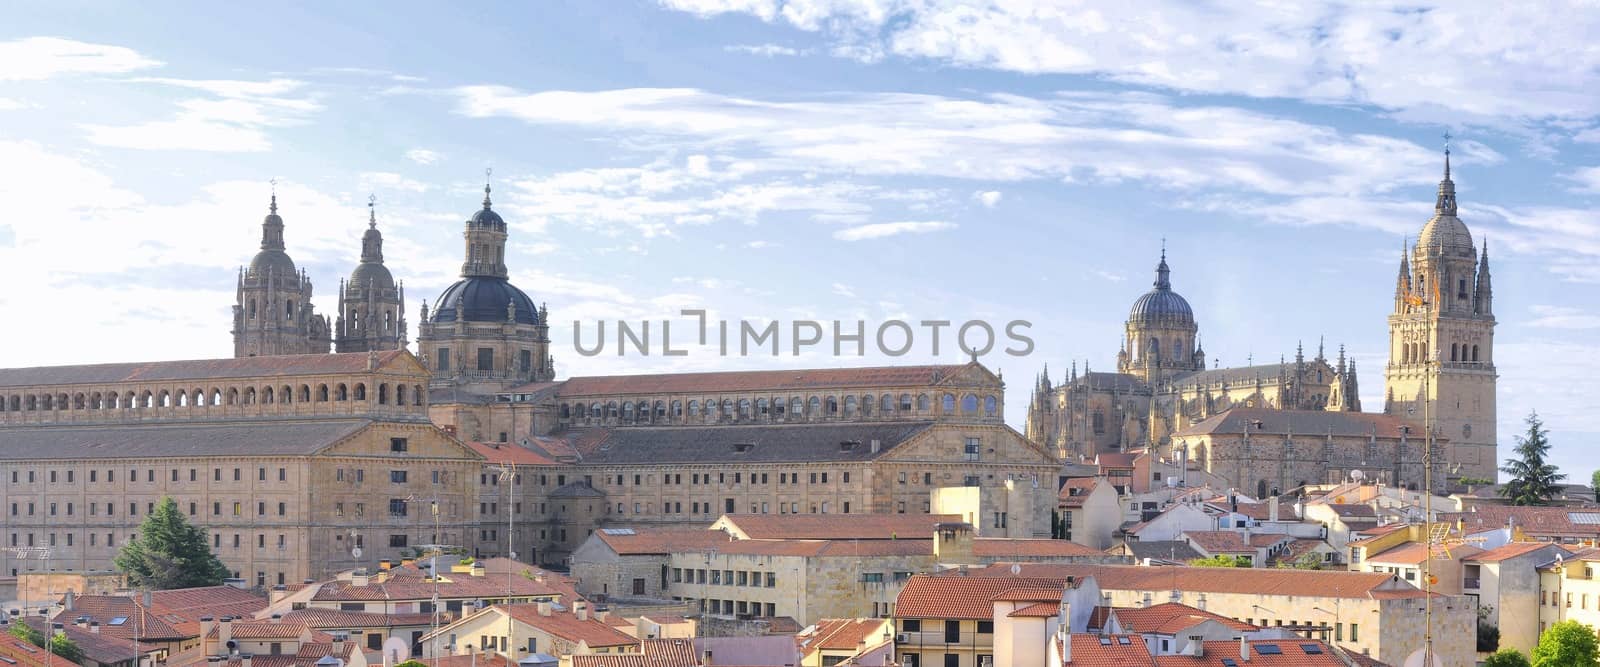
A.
pixel 1533 481
pixel 169 552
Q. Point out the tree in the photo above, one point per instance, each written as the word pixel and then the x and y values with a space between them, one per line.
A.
pixel 169 552
pixel 1594 483
pixel 59 644
pixel 1306 561
pixel 419 663
pixel 1220 560
pixel 1533 482
pixel 1507 657
pixel 1567 644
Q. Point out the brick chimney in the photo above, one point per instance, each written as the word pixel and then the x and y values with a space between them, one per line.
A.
pixel 206 624
pixel 94 627
pixel 225 633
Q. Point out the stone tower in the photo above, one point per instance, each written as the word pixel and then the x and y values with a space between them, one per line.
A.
pixel 484 334
pixel 372 306
pixel 1160 336
pixel 272 313
pixel 1441 340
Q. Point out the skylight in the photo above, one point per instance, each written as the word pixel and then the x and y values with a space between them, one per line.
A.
pixel 119 620
pixel 1268 649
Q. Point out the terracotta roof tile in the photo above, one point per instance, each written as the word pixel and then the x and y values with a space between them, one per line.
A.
pixel 641 541
pixel 840 634
pixel 1168 618
pixel 1309 422
pixel 1507 551
pixel 1265 581
pixel 1037 610
pixel 1219 541
pixel 1296 652
pixel 193 369
pixel 566 625
pixel 510 453
pixel 324 618
pixel 957 597
pixel 1109 651
pixel 759 443
pixel 1535 521
pixel 773 380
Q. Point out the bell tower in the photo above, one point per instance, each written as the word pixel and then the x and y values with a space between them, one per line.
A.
pixel 272 311
pixel 372 306
pixel 1441 340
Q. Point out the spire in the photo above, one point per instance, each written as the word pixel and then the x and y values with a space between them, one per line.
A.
pixel 1321 344
pixel 273 208
pixel 1483 293
pixel 272 225
pixel 372 239
pixel 486 174
pixel 1446 202
pixel 1402 283
pixel 1163 274
pixel 1341 359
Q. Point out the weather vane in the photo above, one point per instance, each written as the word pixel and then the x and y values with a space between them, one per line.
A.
pixel 1447 140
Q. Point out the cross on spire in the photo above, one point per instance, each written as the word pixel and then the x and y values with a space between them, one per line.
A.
pixel 372 211
pixel 487 172
pixel 274 182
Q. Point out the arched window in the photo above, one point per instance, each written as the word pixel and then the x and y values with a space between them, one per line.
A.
pixel 305 393
pixel 340 392
pixel 866 405
pixel 797 408
pixel 595 410
pixel 399 394
pixel 627 412
pixel 886 404
pixel 761 407
pixel 947 403
pixel 1155 349
pixel 566 411
pixel 416 395
pixel 1424 350
pixel 612 410
pixel 1453 352
pixel 644 411
pixel 850 406
pixel 1474 353
pixel 833 406
pixel 147 400
pixel 249 395
pixel 79 402
pixel 199 398
pixel 969 404
pixel 267 395
pixel 165 399
pixel 923 403
pixel 383 393
pixel 286 394
pixel 17 402
pixel 251 307
pixel 1098 422
pixel 677 409
pixel 990 406
pixel 95 402
pixel 1261 489
pixel 814 407
pixel 727 409
pixel 361 391
pixel 322 393
pixel 744 408
pixel 661 410
pixel 694 408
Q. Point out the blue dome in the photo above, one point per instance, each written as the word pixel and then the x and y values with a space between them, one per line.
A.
pixel 486 217
pixel 483 299
pixel 1162 304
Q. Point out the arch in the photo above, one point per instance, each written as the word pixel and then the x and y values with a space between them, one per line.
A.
pixel 1423 348
pixel 831 404
pixel 1453 347
pixel 361 391
pixel 867 403
pixel 216 396
pixel 677 408
pixel 727 409
pixel 130 400
pixel 991 406
pixel 612 410
pixel 565 411
pixel 249 395
pixel 947 403
pixel 95 402
pixel 627 411
pixel 923 402
pixel 1474 353
pixel 643 411
pixel 1155 349
pixel 383 393
pixel 322 393
pixel 147 399
pixel 79 401
pixel 594 410
pixel 399 394
pixel 814 407
pixel 268 395
pixel 62 401
pixel 340 392
pixel 416 395
pixel 250 306
pixel 762 408
pixel 660 411
pixel 694 407
pixel 1261 489
pixel 850 406
pixel 3 404
pixel 286 394
pixel 197 398
pixel 305 393
pixel 886 404
pixel 744 409
pixel 969 404
pixel 16 403
pixel 183 399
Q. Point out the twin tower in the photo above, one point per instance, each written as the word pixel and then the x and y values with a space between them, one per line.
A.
pixel 483 334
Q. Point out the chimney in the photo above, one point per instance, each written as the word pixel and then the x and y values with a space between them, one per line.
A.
pixel 359 577
pixel 1198 642
pixel 81 621
pixel 1200 602
pixel 478 568
pixel 225 633
pixel 338 646
pixel 94 627
pixel 1272 509
pixel 1244 649
pixel 706 658
pixel 1063 634
pixel 1176 596
pixel 244 660
pixel 385 565
pixel 580 609
pixel 601 614
pixel 544 607
pixel 277 617
pixel 70 600
pixel 206 623
pixel 1146 601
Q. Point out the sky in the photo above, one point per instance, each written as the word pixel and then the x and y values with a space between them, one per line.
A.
pixel 782 160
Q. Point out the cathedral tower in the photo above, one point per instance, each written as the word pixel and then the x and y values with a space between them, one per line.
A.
pixel 1160 336
pixel 272 312
pixel 371 305
pixel 484 334
pixel 1441 339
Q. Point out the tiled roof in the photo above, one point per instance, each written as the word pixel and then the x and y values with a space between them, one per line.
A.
pixel 150 625
pixel 1110 382
pixel 838 526
pixel 1507 551
pixel 1297 652
pixel 101 648
pixel 1037 610
pixel 1298 547
pixel 1219 541
pixel 1172 550
pixel 195 369
pixel 24 653
pixel 1353 511
pixel 841 634
pixel 766 443
pixel 324 618
pixel 1536 521
pixel 1076 490
pixel 956 597
pixel 653 653
pixel 465 660
pixel 1309 424
pixel 1109 651
pixel 1114 460
pixel 1413 553
pixel 1028 594
pixel 1017 547
pixel 1263 581
pixel 510 453
pixel 454 587
pixel 775 380
pixel 166 440
pixel 644 540
pixel 566 625
pixel 261 630
pixel 1257 511
pixel 1169 617
pixel 1268 539
pixel 189 604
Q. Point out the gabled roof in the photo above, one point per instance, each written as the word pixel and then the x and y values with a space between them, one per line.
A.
pixel 1022 547
pixel 1537 521
pixel 1173 550
pixel 1168 618
pixel 1109 650
pixel 656 541
pixel 510 453
pixel 150 624
pixel 452 586
pixel 765 443
pixel 1508 551
pixel 841 634
pixel 804 379
pixel 1347 511
pixel 837 526
pixel 169 440
pixel 1220 541
pixel 567 625
pixel 1263 581
pixel 1296 652
pixel 1306 424
pixel 194 369
pixel 956 597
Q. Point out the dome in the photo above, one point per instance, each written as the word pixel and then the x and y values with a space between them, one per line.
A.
pixel 1162 304
pixel 276 261
pixel 483 299
pixel 1447 235
pixel 372 273
pixel 486 217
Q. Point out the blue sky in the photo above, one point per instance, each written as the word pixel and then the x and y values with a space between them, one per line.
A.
pixel 813 159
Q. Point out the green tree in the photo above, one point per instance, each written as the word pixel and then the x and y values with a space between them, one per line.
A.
pixel 59 644
pixel 418 663
pixel 1594 483
pixel 1220 560
pixel 1567 644
pixel 1533 481
pixel 1507 657
pixel 169 552
pixel 1306 561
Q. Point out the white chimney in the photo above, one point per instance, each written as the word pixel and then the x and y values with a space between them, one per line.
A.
pixel 581 610
pixel 1063 633
pixel 1244 649
pixel 544 608
pixel 1272 509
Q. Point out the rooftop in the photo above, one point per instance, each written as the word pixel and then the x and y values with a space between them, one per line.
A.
pixel 745 381
pixel 1261 581
pixel 195 369
pixel 774 443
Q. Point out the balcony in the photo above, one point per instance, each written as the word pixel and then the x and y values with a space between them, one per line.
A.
pixel 938 638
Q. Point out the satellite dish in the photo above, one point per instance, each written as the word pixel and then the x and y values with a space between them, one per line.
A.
pixel 1416 660
pixel 1357 475
pixel 1016 569
pixel 1172 482
pixel 355 552
pixel 395 651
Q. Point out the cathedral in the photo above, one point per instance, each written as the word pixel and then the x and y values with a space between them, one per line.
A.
pixel 1439 379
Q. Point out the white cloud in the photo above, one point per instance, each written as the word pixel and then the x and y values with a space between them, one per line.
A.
pixel 765 50
pixel 36 58
pixel 422 156
pixel 757 245
pixel 1588 135
pixel 385 180
pixel 989 198
pixel 843 290
pixel 7 104
pixel 1562 317
pixel 1586 178
pixel 886 229
pixel 235 122
pixel 1477 59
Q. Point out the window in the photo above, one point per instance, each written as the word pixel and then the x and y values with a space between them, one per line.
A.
pixel 970 480
pixel 397 507
pixel 485 358
pixel 397 444
pixel 397 540
pixel 442 359
pixel 397 476
pixel 969 452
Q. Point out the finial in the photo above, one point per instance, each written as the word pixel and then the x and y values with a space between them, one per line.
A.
pixel 487 172
pixel 1447 155
pixel 1163 248
pixel 274 182
pixel 372 211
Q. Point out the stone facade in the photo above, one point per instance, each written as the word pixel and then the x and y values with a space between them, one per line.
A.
pixel 372 306
pixel 272 311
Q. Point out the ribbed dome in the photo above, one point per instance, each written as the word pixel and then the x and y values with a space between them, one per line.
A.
pixel 275 260
pixel 376 274
pixel 1447 235
pixel 488 218
pixel 1162 304
pixel 483 299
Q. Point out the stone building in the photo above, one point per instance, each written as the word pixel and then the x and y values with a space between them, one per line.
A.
pixel 372 306
pixel 272 311
pixel 299 466
pixel 1440 368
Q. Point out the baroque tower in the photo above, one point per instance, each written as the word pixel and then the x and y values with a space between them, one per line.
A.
pixel 1160 338
pixel 1441 339
pixel 484 334
pixel 272 312
pixel 371 305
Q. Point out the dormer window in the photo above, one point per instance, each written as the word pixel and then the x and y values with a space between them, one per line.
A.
pixel 743 447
